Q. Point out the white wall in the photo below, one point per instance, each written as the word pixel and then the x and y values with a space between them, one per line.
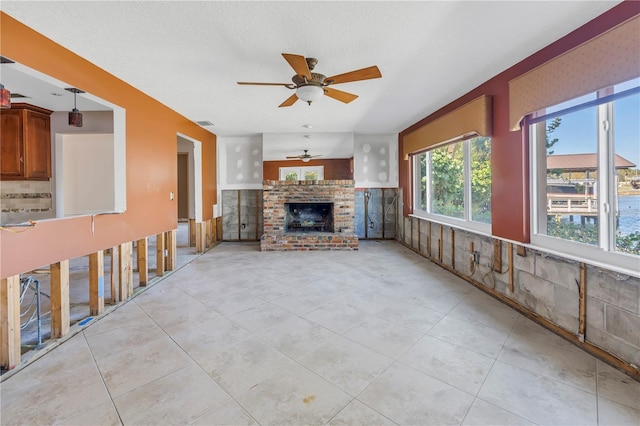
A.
pixel 375 161
pixel 240 162
pixel 85 174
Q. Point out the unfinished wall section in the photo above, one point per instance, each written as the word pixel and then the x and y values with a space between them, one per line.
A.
pixel 545 287
pixel 242 215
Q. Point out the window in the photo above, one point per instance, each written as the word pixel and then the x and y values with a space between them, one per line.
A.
pixel 302 173
pixel 585 156
pixel 453 183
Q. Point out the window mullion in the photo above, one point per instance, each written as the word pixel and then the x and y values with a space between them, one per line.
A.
pixel 606 189
pixel 428 187
pixel 467 180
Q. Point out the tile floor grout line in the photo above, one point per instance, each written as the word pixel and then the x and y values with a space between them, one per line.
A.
pixel 104 383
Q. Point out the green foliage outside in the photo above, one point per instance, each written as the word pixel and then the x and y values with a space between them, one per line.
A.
pixel 588 234
pixel 310 175
pixel 481 180
pixel 291 176
pixel 447 180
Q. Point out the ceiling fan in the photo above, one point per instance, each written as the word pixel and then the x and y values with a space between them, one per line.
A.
pixel 304 157
pixel 311 86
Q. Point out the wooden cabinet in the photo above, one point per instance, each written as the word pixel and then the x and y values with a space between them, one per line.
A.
pixel 25 143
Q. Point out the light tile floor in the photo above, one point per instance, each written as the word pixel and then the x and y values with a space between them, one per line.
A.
pixel 378 336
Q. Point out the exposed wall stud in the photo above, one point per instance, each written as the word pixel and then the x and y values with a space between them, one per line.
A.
pixel 10 322
pixel 497 255
pixel 582 306
pixel 440 243
pixel 112 270
pixel 96 283
pixel 59 299
pixel 143 264
pixel 453 248
pixel 160 254
pixel 192 232
pixel 522 251
pixel 171 243
pixel 429 239
pixel 472 264
pixel 511 268
pixel 125 278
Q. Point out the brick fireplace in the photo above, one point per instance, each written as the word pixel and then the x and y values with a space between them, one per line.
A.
pixel 296 215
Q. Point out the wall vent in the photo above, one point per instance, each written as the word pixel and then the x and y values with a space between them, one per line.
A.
pixel 205 123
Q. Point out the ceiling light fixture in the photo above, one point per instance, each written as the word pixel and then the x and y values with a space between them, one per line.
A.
pixel 309 93
pixel 75 116
pixel 5 97
pixel 305 159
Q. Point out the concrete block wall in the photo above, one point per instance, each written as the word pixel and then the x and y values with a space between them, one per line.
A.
pixel 242 215
pixel 376 216
pixel 544 284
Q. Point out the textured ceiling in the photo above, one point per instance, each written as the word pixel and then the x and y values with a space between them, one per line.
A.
pixel 189 55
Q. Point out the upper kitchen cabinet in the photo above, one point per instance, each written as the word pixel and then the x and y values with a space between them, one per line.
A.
pixel 25 143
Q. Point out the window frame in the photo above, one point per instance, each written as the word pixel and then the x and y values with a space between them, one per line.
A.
pixel 467 222
pixel 603 254
pixel 301 171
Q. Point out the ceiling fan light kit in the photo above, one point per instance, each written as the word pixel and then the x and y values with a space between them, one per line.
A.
pixel 305 158
pixel 309 93
pixel 311 86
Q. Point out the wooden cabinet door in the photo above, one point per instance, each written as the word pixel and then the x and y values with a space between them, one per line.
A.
pixel 37 146
pixel 11 146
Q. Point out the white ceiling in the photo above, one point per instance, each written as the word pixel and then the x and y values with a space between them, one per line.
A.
pixel 190 54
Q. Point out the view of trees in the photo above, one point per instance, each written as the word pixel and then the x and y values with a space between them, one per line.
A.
pixel 447 179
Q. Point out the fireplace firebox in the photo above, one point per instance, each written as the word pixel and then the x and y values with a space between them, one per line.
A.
pixel 308 217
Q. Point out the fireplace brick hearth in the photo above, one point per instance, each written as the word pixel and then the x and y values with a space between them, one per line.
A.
pixel 339 192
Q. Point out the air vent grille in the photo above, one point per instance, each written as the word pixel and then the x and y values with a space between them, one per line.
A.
pixel 205 123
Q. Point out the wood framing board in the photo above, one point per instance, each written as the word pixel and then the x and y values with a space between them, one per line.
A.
pixel 497 256
pixel 192 232
pixel 113 269
pixel 10 322
pixel 143 264
pixel 96 283
pixel 60 299
pixel 171 245
pixel 125 280
pixel 160 254
pixel 582 306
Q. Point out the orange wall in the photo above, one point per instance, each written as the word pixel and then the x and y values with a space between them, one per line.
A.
pixel 151 150
pixel 509 150
pixel 337 169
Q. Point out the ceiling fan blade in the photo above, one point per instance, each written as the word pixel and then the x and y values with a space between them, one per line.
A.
pixel 339 95
pixel 297 157
pixel 290 101
pixel 363 74
pixel 299 64
pixel 263 84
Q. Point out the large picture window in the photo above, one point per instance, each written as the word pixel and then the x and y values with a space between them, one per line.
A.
pixel 586 183
pixel 453 183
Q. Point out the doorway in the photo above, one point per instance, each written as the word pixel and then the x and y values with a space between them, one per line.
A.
pixel 183 186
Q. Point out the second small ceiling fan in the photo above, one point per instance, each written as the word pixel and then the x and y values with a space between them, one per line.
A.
pixel 304 157
pixel 311 86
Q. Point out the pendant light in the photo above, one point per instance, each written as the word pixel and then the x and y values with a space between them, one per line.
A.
pixel 5 97
pixel 5 94
pixel 75 116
